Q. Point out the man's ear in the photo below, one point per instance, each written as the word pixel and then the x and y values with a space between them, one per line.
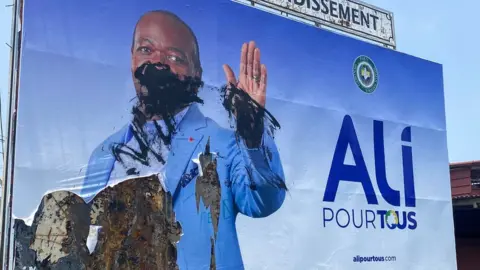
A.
pixel 198 74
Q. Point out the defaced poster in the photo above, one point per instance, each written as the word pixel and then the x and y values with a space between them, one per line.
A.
pixel 214 135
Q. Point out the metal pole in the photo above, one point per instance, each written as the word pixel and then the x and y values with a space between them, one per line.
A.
pixel 6 204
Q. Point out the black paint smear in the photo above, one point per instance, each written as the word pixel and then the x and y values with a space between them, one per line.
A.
pixel 188 177
pixel 249 115
pixel 166 93
pixel 45 262
pixel 133 171
pixel 252 184
pixel 268 153
pixel 163 94
pixel 275 181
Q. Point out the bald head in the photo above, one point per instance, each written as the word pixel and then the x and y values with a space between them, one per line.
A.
pixel 162 37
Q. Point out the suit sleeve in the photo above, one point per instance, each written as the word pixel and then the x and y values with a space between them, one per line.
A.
pixel 100 165
pixel 258 182
pixel 97 174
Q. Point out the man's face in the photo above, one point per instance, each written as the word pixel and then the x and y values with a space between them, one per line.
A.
pixel 160 38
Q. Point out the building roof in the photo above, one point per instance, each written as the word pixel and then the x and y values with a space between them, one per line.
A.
pixel 472 195
pixel 465 164
pixel 462 184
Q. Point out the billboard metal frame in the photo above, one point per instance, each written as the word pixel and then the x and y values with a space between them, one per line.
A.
pixel 6 246
pixel 331 26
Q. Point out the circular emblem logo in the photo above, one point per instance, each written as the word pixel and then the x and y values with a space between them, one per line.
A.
pixel 365 74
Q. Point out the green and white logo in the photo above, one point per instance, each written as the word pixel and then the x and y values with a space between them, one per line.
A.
pixel 365 74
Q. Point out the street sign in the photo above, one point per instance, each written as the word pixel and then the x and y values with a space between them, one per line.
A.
pixel 349 16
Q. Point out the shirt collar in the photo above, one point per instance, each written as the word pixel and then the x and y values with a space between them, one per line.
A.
pixel 150 127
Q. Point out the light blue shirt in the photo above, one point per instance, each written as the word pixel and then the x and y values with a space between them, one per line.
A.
pixel 119 172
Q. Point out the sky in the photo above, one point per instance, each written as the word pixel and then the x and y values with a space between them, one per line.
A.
pixel 428 29
pixel 442 31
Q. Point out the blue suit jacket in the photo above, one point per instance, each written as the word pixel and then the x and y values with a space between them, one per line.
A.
pixel 238 168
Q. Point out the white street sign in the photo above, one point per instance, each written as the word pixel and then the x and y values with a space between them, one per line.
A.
pixel 350 16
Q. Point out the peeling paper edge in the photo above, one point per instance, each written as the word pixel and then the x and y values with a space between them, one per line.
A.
pixel 161 176
pixel 92 238
pixel 29 220
pixel 197 161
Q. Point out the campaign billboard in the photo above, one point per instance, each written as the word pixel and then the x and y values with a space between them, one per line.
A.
pixel 214 135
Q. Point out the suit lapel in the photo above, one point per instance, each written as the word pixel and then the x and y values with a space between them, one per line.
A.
pixel 183 147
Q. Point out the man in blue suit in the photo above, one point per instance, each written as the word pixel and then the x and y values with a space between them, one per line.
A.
pixel 169 133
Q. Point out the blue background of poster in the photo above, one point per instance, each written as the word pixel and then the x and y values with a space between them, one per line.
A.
pixel 76 90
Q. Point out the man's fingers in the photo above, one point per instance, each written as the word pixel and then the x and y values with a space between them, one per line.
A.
pixel 242 77
pixel 262 93
pixel 229 74
pixel 250 58
pixel 243 59
pixel 256 69
pixel 263 77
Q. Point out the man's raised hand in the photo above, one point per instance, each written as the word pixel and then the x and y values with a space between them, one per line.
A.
pixel 253 75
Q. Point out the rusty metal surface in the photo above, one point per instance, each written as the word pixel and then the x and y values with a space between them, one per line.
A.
pixel 25 257
pixel 208 190
pixel 138 230
pixel 207 187
pixel 60 229
pixel 138 227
